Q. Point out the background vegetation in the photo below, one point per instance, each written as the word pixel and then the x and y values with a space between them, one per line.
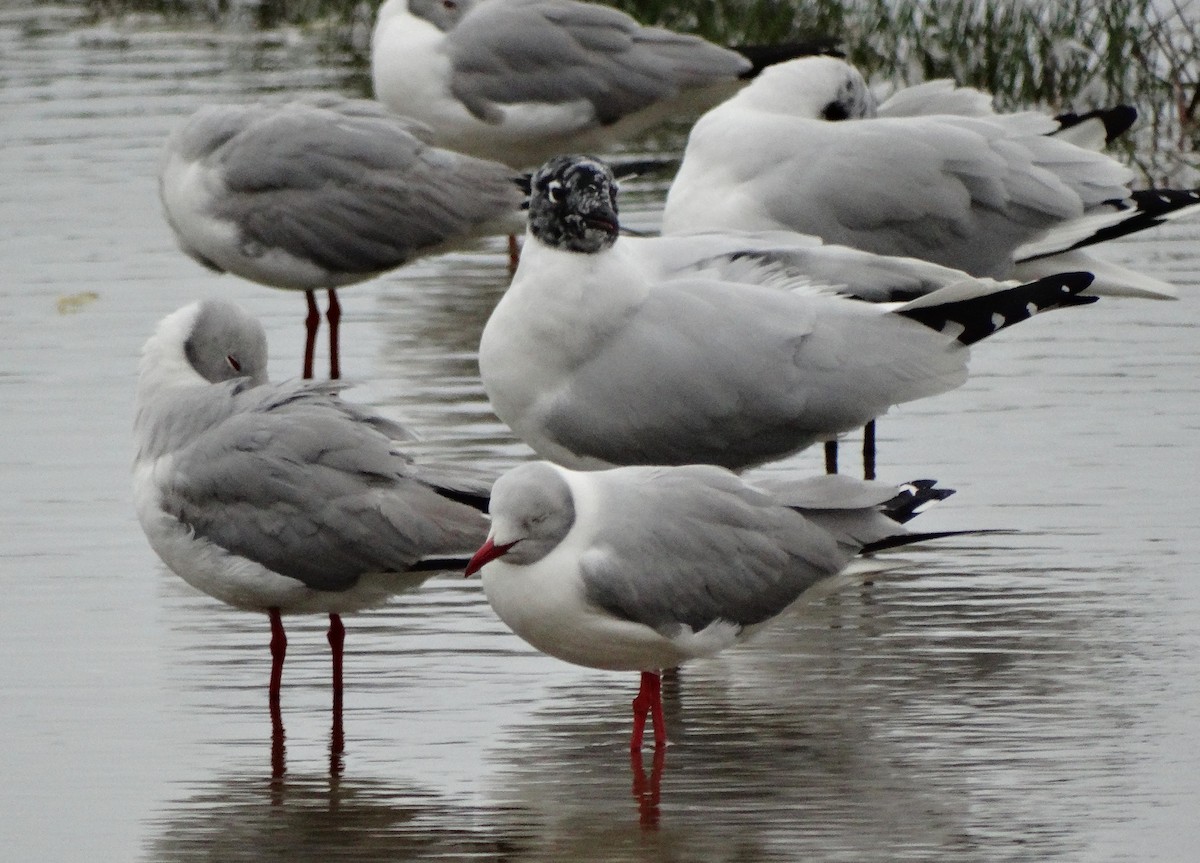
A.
pixel 1054 54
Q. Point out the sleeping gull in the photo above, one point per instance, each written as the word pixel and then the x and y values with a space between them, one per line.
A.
pixel 997 195
pixel 323 192
pixel 1094 129
pixel 594 363
pixel 282 498
pixel 643 568
pixel 522 80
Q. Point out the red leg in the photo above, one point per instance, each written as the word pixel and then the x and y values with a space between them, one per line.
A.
pixel 656 712
pixel 334 315
pixel 337 637
pixel 337 739
pixel 311 323
pixel 648 701
pixel 641 706
pixel 514 254
pixel 869 450
pixel 278 651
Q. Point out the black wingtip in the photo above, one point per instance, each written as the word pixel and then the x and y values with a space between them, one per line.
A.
pixel 1117 120
pixel 474 499
pixel 1146 208
pixel 903 539
pixel 762 56
pixel 980 317
pixel 440 564
pixel 630 169
pixel 913 499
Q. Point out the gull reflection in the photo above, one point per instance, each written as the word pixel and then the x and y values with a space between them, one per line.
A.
pixel 312 818
pixel 647 789
pixel 894 720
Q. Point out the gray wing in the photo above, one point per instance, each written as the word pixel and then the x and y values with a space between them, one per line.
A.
pixel 849 509
pixel 793 261
pixel 685 381
pixel 561 51
pixel 961 191
pixel 736 375
pixel 292 482
pixel 348 187
pixel 718 550
pixel 940 96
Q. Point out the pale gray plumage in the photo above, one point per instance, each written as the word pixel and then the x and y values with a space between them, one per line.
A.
pixel 595 359
pixel 286 476
pixel 964 190
pixel 555 51
pixel 790 261
pixel 521 80
pixel 674 547
pixel 644 568
pixel 322 192
pixel 754 556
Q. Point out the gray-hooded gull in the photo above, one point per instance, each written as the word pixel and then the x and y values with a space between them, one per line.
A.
pixel 323 192
pixel 933 173
pixel 644 568
pixel 282 498
pixel 522 80
pixel 594 360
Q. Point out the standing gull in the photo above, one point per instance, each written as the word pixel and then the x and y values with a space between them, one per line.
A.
pixel 804 148
pixel 323 192
pixel 796 262
pixel 593 362
pixel 282 498
pixel 522 80
pixel 644 568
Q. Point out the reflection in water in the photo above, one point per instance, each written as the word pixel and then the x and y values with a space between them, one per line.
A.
pixel 298 819
pixel 337 742
pixel 647 789
pixel 1026 698
pixel 895 716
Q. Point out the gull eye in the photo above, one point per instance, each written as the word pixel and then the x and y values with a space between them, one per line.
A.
pixel 233 363
pixel 554 191
pixel 449 4
pixel 835 111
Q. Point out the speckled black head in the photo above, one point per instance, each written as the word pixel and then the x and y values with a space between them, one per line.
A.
pixel 573 204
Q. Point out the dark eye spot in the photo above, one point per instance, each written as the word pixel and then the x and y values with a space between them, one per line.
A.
pixel 835 111
pixel 233 363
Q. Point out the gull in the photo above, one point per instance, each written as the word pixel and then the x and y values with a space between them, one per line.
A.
pixel 595 362
pixel 1092 129
pixel 322 192
pixel 522 80
pixel 803 148
pixel 794 262
pixel 282 498
pixel 789 260
pixel 644 568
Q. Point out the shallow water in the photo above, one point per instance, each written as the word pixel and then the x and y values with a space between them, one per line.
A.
pixel 1026 696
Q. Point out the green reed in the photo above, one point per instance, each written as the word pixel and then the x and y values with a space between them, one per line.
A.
pixel 1058 55
pixel 1054 54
